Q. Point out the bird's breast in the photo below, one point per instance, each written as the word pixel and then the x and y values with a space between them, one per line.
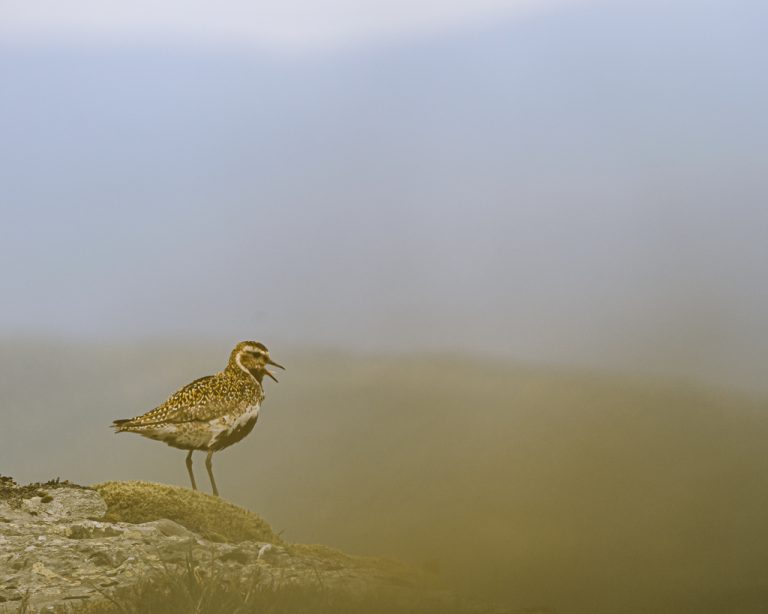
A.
pixel 230 429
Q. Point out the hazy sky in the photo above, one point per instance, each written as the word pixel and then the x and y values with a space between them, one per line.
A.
pixel 582 184
pixel 287 25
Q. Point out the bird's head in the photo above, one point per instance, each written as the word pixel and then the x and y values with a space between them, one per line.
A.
pixel 253 357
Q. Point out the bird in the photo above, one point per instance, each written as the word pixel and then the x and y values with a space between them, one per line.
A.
pixel 212 412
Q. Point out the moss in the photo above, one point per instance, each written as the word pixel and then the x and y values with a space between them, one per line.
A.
pixel 208 516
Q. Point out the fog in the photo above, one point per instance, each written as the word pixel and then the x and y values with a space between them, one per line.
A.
pixel 571 490
pixel 516 268
pixel 582 186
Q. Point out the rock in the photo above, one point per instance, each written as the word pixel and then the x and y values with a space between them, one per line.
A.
pixel 69 548
pixel 66 503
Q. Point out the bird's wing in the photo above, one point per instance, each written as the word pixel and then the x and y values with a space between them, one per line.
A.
pixel 202 400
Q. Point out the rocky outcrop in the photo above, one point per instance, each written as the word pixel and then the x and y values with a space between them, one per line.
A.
pixel 68 548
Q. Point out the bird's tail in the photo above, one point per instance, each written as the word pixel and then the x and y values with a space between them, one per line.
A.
pixel 120 425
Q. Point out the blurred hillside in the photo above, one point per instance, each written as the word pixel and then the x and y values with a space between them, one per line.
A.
pixel 576 491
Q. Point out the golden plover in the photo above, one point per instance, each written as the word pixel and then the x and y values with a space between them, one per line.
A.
pixel 212 412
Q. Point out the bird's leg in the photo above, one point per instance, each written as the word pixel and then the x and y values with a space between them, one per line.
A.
pixel 209 467
pixel 189 469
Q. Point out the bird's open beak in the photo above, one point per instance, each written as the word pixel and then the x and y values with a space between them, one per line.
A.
pixel 274 364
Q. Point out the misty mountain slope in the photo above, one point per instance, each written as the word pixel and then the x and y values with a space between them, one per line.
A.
pixel 580 492
pixel 542 486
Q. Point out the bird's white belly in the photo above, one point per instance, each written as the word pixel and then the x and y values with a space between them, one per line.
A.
pixel 202 435
pixel 221 428
pixel 183 435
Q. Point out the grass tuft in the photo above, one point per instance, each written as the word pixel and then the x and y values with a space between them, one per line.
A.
pixel 197 588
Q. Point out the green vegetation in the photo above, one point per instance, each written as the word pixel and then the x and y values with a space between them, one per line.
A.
pixel 200 590
pixel 210 517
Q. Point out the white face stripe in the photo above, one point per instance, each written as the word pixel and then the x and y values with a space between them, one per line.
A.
pixel 240 364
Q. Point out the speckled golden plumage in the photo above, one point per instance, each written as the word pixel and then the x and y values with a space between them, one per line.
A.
pixel 212 412
pixel 204 399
